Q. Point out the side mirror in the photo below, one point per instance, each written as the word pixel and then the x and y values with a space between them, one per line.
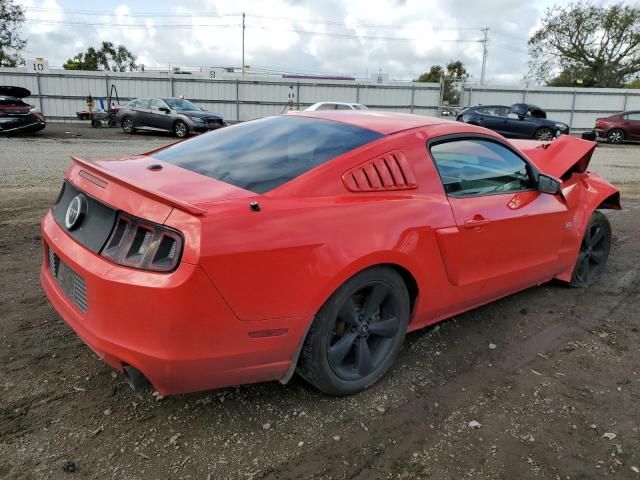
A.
pixel 164 109
pixel 547 184
pixel 521 117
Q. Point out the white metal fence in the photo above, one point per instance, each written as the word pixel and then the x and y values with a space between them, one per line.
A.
pixel 60 94
pixel 577 107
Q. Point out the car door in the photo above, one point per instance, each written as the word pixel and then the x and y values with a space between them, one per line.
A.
pixel 632 125
pixel 139 110
pixel 508 234
pixel 523 126
pixel 487 118
pixel 159 118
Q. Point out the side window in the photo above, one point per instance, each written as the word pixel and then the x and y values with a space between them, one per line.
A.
pixel 140 103
pixel 156 104
pixel 343 107
pixel 633 116
pixel 479 167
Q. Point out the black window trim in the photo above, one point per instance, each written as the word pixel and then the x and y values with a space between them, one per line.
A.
pixel 533 170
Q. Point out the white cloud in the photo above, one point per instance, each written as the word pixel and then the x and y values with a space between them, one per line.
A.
pixel 212 39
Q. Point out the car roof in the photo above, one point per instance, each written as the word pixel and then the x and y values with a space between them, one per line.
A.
pixel 336 103
pixel 385 123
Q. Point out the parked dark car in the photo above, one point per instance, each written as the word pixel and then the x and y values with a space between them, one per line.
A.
pixel 520 120
pixel 17 116
pixel 168 114
pixel 619 127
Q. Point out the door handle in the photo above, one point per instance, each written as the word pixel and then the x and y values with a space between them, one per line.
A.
pixel 476 222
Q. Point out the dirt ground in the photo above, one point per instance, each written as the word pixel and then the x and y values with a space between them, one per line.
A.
pixel 552 376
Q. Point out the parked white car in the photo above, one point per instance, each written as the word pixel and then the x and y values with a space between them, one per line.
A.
pixel 335 106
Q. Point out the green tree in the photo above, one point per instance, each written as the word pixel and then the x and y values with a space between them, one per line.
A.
pixel 11 44
pixel 600 45
pixel 109 57
pixel 635 83
pixel 451 76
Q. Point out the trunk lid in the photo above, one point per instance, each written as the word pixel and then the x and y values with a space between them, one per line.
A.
pixel 160 181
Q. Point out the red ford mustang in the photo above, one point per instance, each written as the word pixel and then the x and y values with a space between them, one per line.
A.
pixel 311 242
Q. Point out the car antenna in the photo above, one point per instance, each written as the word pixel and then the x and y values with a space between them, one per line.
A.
pixel 255 206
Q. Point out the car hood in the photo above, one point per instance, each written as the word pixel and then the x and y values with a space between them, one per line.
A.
pixel 16 92
pixel 203 115
pixel 171 185
pixel 560 157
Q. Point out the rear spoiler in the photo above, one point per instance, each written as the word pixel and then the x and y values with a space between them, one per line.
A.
pixel 160 196
pixel 560 157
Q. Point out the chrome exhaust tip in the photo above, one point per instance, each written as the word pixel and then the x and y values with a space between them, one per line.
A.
pixel 135 378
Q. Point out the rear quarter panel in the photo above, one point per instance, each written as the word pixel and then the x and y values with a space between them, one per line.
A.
pixel 313 234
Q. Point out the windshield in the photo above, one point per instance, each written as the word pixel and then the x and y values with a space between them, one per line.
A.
pixel 181 105
pixel 261 155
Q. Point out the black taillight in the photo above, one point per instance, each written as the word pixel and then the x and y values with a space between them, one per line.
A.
pixel 141 244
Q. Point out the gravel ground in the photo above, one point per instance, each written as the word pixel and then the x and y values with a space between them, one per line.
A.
pixel 42 157
pixel 544 384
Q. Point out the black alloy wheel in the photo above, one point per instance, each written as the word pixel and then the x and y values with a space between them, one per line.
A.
pixel 594 252
pixel 357 333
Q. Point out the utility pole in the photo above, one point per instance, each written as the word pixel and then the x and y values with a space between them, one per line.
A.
pixel 243 43
pixel 485 52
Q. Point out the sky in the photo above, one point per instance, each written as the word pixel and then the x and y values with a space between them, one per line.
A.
pixel 401 38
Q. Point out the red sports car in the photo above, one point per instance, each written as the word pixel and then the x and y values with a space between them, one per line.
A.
pixel 311 242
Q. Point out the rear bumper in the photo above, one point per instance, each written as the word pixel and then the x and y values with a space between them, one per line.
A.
pixel 175 328
pixel 23 124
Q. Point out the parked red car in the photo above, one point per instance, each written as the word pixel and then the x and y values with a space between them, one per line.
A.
pixel 311 242
pixel 17 116
pixel 619 127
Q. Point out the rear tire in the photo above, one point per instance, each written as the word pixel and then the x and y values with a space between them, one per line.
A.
pixel 543 134
pixel 127 125
pixel 180 129
pixel 615 136
pixel 594 252
pixel 357 334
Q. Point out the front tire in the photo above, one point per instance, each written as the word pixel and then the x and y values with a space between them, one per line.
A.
pixel 594 252
pixel 180 129
pixel 615 136
pixel 543 134
pixel 357 334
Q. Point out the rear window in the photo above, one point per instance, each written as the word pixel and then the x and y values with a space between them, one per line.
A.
pixel 263 154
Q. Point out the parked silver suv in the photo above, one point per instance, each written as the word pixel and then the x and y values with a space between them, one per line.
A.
pixel 167 114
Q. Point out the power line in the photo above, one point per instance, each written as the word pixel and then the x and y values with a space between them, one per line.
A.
pixel 129 14
pixel 266 17
pixel 260 27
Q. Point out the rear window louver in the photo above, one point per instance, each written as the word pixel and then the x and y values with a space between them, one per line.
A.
pixel 391 171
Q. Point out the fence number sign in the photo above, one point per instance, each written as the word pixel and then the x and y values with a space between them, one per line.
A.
pixel 38 65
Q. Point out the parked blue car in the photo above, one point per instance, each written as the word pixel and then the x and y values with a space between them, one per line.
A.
pixel 520 120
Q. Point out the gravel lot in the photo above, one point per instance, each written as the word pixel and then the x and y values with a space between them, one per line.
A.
pixel 43 157
pixel 551 375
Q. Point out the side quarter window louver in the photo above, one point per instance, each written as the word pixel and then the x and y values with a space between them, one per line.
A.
pixel 391 171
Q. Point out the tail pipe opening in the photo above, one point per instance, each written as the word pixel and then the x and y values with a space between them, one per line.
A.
pixel 135 378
